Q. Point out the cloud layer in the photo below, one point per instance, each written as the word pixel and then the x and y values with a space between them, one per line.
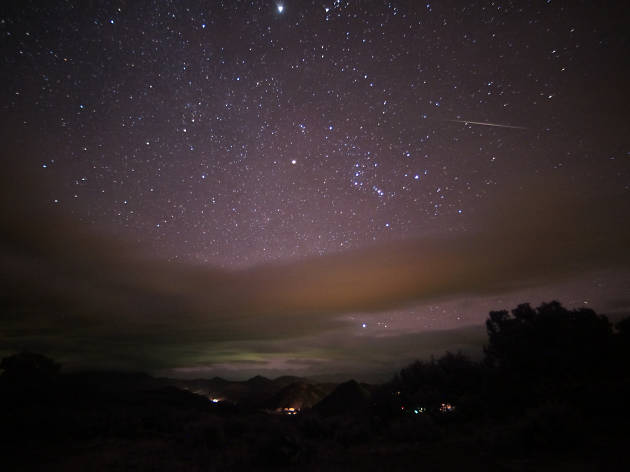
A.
pixel 77 291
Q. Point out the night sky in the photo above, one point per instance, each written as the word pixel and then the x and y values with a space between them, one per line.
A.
pixel 202 188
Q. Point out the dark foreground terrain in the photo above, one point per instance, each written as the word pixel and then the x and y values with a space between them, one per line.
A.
pixel 551 394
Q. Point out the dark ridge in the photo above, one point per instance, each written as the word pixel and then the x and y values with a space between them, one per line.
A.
pixel 299 395
pixel 348 397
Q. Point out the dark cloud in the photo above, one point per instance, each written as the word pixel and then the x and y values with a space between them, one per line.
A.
pixel 97 299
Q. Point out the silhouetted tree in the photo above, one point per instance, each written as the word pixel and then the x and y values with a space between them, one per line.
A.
pixel 547 354
pixel 623 327
pixel 27 375
pixel 622 344
pixel 429 384
pixel 548 340
pixel 28 364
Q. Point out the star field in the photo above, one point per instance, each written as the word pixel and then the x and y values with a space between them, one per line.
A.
pixel 242 132
pixel 234 134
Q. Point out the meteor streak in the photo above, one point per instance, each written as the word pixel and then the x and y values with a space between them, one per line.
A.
pixel 483 123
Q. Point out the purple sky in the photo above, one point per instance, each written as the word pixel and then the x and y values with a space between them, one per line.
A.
pixel 338 186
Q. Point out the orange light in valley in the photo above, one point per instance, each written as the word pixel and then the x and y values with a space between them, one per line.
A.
pixel 289 410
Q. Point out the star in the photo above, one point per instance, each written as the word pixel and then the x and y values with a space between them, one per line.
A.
pixel 187 140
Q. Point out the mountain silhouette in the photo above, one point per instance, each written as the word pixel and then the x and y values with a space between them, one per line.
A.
pixel 346 398
pixel 298 395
